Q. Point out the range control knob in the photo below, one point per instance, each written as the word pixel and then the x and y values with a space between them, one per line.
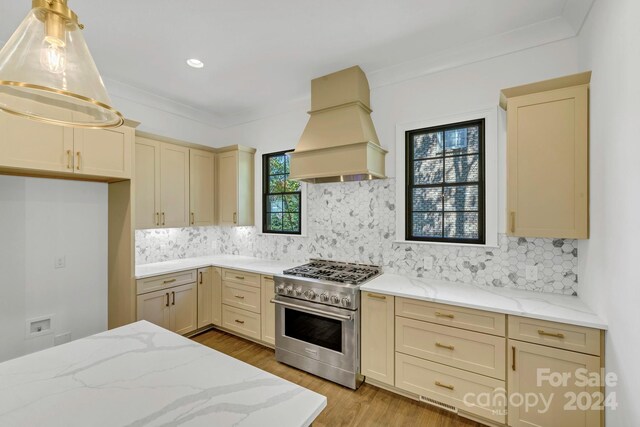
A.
pixel 280 289
pixel 298 291
pixel 289 289
pixel 346 301
pixel 324 297
pixel 335 299
pixel 310 294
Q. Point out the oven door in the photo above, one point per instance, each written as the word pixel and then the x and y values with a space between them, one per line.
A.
pixel 320 332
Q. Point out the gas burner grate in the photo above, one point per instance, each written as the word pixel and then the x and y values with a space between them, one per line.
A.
pixel 333 271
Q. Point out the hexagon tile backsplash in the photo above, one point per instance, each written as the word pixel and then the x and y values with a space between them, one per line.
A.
pixel 356 222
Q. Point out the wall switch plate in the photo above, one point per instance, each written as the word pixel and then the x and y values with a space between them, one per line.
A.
pixel 428 263
pixel 531 273
pixel 62 338
pixel 60 262
pixel 39 326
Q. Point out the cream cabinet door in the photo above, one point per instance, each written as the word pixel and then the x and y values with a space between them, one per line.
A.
pixel 184 308
pixel 228 188
pixel 174 185
pixel 268 311
pixel 547 164
pixel 205 297
pixel 529 368
pixel 216 296
pixel 377 340
pixel 155 307
pixel 103 152
pixel 147 183
pixel 202 187
pixel 28 144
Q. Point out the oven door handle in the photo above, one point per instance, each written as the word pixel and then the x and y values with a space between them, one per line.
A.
pixel 314 311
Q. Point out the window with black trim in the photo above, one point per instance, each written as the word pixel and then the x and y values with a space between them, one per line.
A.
pixel 445 183
pixel 281 196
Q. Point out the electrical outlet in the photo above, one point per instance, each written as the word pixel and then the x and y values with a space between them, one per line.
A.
pixel 531 273
pixel 428 263
pixel 60 261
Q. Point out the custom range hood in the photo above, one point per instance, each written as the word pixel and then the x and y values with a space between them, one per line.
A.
pixel 340 142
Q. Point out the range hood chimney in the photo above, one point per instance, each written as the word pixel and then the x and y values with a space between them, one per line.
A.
pixel 339 142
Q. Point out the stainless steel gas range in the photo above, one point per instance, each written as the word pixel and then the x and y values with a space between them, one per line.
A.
pixel 318 318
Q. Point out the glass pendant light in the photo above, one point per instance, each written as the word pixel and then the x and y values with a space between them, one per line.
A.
pixel 48 74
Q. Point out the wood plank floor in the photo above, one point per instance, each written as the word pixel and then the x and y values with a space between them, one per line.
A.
pixel 368 406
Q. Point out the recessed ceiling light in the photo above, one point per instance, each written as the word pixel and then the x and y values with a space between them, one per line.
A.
pixel 195 63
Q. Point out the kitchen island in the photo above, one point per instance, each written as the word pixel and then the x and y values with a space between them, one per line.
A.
pixel 143 375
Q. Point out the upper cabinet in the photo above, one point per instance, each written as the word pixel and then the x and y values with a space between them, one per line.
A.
pixel 202 187
pixel 235 186
pixel 548 158
pixel 162 184
pixel 56 150
pixel 174 185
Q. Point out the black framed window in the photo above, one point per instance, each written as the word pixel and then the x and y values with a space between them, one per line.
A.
pixel 445 183
pixel 281 196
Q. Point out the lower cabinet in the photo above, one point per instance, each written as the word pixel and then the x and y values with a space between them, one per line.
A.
pixel 268 311
pixel 377 337
pixel 205 297
pixel 451 387
pixel 241 321
pixel 172 308
pixel 483 365
pixel 536 370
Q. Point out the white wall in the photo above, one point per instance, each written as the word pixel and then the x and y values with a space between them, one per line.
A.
pixel 40 219
pixel 447 93
pixel 610 46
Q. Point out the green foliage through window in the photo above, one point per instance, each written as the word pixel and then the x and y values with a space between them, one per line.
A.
pixel 445 183
pixel 281 206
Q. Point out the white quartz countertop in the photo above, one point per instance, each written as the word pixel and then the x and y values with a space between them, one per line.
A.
pixel 544 306
pixel 143 375
pixel 250 264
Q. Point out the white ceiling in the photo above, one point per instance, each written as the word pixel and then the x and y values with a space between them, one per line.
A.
pixel 259 54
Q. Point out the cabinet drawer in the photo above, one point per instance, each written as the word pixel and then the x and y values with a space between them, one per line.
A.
pixel 241 296
pixel 559 335
pixel 243 277
pixel 472 351
pixel 164 281
pixel 450 386
pixel 241 321
pixel 465 318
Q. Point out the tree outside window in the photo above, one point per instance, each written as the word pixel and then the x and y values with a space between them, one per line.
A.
pixel 281 206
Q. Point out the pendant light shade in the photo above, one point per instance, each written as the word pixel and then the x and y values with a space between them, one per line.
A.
pixel 48 74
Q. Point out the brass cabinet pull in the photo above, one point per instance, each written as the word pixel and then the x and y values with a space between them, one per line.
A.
pixel 193 218
pixel 167 304
pixel 69 159
pixel 513 222
pixel 447 315
pixel 448 347
pixel 169 281
pixel 513 358
pixel 376 296
pixel 239 296
pixel 173 294
pixel 79 157
pixel 200 273
pixel 235 217
pixel 240 321
pixel 550 334
pixel 157 218
pixel 162 218
pixel 447 386
pixel 240 277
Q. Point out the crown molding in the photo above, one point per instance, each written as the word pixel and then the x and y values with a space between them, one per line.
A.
pixel 568 25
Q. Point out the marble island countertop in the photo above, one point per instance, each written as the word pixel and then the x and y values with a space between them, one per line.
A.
pixel 143 375
pixel 545 306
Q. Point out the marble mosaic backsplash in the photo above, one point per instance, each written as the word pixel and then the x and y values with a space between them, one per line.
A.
pixel 356 222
